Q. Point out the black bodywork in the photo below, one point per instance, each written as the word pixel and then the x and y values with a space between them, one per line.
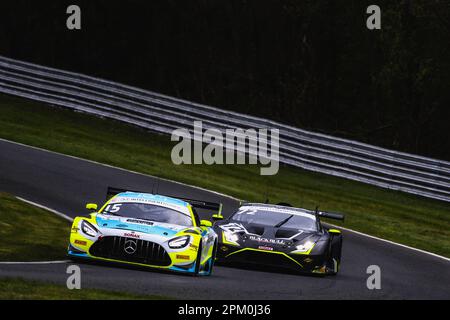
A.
pixel 275 245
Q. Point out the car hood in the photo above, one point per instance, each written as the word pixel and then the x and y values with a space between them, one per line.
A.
pixel 269 234
pixel 138 225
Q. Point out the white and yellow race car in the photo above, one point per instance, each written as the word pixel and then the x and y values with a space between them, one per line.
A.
pixel 147 230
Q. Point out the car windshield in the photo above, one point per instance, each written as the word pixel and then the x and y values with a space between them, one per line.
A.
pixel 276 217
pixel 148 212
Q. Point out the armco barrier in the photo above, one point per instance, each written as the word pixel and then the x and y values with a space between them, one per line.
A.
pixel 308 150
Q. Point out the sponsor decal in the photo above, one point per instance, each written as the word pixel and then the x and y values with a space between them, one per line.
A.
pixel 80 242
pixel 265 240
pixel 132 235
pixel 74 229
pixel 184 257
pixel 140 221
pixel 251 210
pixel 233 228
pixel 164 202
pixel 265 248
pixel 210 239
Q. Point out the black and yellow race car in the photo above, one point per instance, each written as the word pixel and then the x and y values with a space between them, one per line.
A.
pixel 279 236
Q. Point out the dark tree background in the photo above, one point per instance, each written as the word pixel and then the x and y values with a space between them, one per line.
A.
pixel 309 63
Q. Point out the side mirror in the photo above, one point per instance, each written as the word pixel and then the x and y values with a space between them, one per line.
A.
pixel 205 223
pixel 217 217
pixel 334 231
pixel 92 206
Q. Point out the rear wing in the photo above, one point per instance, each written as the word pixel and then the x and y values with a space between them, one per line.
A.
pixel 197 204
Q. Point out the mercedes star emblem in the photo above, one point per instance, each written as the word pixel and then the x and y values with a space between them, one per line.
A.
pixel 130 246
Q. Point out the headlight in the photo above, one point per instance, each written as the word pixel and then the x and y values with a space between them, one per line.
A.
pixel 179 242
pixel 231 237
pixel 88 229
pixel 305 246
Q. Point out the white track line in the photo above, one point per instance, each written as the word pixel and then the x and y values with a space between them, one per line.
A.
pixel 218 193
pixel 121 169
pixel 390 242
pixel 62 215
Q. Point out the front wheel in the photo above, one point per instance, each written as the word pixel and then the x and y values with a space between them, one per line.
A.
pixel 334 257
pixel 213 258
pixel 198 261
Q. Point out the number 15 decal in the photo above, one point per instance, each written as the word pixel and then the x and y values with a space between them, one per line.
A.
pixel 113 208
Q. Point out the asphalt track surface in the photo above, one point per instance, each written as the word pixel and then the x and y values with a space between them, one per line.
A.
pixel 66 184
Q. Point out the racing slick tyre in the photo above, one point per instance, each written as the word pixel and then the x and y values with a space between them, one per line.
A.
pixel 198 261
pixel 213 258
pixel 334 255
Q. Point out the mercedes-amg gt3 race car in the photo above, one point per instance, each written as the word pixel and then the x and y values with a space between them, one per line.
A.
pixel 280 236
pixel 147 230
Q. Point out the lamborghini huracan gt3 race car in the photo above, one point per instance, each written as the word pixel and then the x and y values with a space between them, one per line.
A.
pixel 280 236
pixel 147 230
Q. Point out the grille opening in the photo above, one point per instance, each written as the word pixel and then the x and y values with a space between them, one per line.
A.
pixel 130 250
pixel 266 259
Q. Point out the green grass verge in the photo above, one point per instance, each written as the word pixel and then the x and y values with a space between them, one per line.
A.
pixel 29 233
pixel 20 289
pixel 400 217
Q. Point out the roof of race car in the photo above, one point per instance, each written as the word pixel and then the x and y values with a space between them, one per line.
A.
pixel 279 208
pixel 155 199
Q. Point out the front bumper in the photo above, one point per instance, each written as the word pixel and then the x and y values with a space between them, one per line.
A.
pixel 146 254
pixel 274 259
